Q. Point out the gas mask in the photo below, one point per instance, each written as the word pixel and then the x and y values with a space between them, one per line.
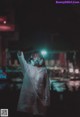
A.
pixel 36 61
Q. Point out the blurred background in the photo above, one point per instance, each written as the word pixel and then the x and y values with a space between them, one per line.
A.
pixel 54 30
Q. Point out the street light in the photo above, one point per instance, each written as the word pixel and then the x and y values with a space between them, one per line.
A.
pixel 43 52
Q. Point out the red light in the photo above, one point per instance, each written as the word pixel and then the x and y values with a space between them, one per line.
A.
pixel 7 27
pixel 4 22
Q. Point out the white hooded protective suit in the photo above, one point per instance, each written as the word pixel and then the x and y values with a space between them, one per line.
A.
pixel 35 91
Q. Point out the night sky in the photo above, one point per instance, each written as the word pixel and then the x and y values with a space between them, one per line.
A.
pixel 45 24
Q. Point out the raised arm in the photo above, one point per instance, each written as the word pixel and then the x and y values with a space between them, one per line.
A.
pixel 22 60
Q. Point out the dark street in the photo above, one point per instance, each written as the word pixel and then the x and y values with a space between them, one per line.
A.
pixel 62 104
pixel 44 35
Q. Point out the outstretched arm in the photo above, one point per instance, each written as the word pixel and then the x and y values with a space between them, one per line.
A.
pixel 22 60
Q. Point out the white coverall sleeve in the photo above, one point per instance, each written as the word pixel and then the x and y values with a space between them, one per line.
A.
pixel 47 91
pixel 22 61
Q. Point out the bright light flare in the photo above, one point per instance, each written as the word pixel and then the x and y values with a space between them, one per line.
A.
pixel 44 52
pixel 77 71
pixel 71 70
pixel 4 22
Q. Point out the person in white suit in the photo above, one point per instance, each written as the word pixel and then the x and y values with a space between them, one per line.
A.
pixel 34 96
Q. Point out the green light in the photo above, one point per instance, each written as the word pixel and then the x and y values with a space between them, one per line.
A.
pixel 44 52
